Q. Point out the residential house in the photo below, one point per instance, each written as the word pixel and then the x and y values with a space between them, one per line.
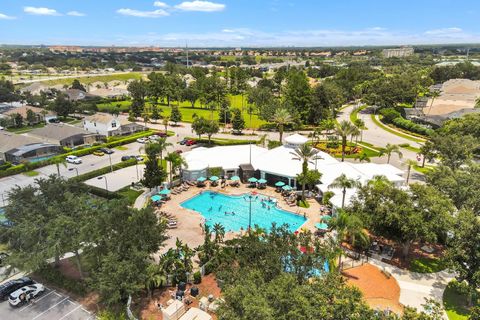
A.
pixel 109 125
pixel 40 114
pixel 63 134
pixel 17 148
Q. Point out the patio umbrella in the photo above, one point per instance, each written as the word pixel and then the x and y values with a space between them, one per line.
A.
pixel 262 181
pixel 155 198
pixel 235 178
pixel 287 188
pixel 201 179
pixel 252 179
pixel 164 192
pixel 326 218
pixel 279 184
pixel 214 178
pixel 321 226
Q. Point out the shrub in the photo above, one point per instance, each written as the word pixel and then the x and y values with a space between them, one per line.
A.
pixel 224 142
pixel 404 145
pixel 273 144
pixel 197 277
pixel 412 126
pixel 389 114
pixel 56 278
pixel 5 166
pixel 104 170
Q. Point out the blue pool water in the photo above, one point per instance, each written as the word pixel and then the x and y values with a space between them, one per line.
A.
pixel 213 206
pixel 38 159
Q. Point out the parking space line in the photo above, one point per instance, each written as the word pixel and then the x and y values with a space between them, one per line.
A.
pixel 86 311
pixel 30 304
pixel 56 304
pixel 75 309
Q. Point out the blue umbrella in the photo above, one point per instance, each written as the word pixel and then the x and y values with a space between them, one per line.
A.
pixel 252 179
pixel 262 181
pixel 326 218
pixel 321 226
pixel 214 178
pixel 279 184
pixel 164 192
pixel 155 198
pixel 287 188
pixel 235 178
pixel 201 179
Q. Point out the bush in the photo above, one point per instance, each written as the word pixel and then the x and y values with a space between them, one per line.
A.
pixel 56 278
pixel 389 114
pixel 412 126
pixel 5 166
pixel 197 277
pixel 273 144
pixel 224 142
pixel 104 170
pixel 404 145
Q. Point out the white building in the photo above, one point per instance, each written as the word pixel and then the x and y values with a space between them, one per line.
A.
pixel 278 164
pixel 109 125
pixel 397 52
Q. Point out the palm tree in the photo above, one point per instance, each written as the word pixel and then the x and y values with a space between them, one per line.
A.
pixel 434 94
pixel 327 125
pixel 360 124
pixel 305 154
pixel 344 129
pixel 155 277
pixel 427 151
pixel 378 180
pixel 362 157
pixel 176 161
pixel 165 121
pixel 409 163
pixel 389 149
pixel 219 231
pixel 281 118
pixel 344 183
pixel 59 161
pixel 162 146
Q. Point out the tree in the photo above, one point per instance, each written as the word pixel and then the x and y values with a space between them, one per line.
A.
pixel 389 149
pixel 62 106
pixel 427 150
pixel 31 117
pixel 77 85
pixel 305 154
pixel 17 120
pixel 463 253
pixel 344 129
pixel 327 98
pixel 191 93
pixel 211 127
pixel 225 114
pixel 238 123
pixel 281 118
pixel 219 231
pixel 350 227
pixel 154 174
pixel 198 125
pixel 176 115
pixel 156 277
pixel 360 124
pixel 409 163
pixel 7 91
pixel 298 93
pixel 264 101
pixel 344 183
pixel 362 157
pixel 176 162
pixel 155 113
pixel 138 90
pixel 454 150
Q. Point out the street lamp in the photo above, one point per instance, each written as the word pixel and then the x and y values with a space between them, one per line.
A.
pixel 250 199
pixel 110 158
pixel 136 167
pixel 106 184
pixel 71 169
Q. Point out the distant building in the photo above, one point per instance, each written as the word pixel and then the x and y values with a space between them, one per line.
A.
pixel 397 52
pixel 17 148
pixel 63 134
pixel 108 125
pixel 75 95
pixel 40 113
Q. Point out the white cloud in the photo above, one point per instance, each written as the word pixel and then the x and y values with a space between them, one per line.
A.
pixel 76 14
pixel 204 6
pixel 40 11
pixel 160 4
pixel 143 14
pixel 444 31
pixel 5 17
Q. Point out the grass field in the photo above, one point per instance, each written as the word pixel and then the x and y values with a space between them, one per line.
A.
pixel 31 173
pixel 91 79
pixel 386 128
pixel 455 304
pixel 354 115
pixel 426 265
pixel 26 129
pixel 187 111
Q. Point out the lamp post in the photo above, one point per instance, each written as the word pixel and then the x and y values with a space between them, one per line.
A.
pixel 106 184
pixel 136 167
pixel 250 199
pixel 110 158
pixel 71 169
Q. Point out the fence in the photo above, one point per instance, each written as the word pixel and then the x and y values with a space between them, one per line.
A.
pixel 353 259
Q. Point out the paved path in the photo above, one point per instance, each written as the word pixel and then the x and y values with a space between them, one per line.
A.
pixel 416 287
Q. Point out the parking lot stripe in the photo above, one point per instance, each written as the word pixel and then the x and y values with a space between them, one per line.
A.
pixel 56 304
pixel 35 301
pixel 76 308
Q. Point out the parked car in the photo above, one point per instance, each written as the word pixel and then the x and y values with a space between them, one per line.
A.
pixel 182 142
pixel 154 137
pixel 3 257
pixel 98 153
pixel 190 142
pixel 139 158
pixel 12 285
pixel 73 159
pixel 142 140
pixel 24 294
pixel 163 134
pixel 106 150
pixel 179 151
pixel 125 158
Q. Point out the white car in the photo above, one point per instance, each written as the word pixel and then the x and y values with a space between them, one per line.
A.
pixel 25 294
pixel 73 159
pixel 154 137
pixel 142 140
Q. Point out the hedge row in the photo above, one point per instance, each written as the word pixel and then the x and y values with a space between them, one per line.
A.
pixel 104 170
pixel 412 126
pixel 24 167
pixel 225 142
pixel 54 277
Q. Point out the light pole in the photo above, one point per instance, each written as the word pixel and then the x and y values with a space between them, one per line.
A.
pixel 136 167
pixel 110 158
pixel 71 169
pixel 250 199
pixel 106 184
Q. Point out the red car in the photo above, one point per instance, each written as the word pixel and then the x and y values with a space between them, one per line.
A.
pixel 190 142
pixel 178 151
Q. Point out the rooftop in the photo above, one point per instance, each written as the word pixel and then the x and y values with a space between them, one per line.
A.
pixel 9 141
pixel 57 131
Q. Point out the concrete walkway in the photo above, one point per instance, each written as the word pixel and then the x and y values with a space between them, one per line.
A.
pixel 416 287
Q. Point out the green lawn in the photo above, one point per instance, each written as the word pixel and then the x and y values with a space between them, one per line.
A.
pixel 386 128
pixel 354 115
pixel 130 194
pixel 423 170
pixel 188 112
pixel 121 148
pixel 31 173
pixel 91 79
pixel 426 265
pixel 455 304
pixel 25 129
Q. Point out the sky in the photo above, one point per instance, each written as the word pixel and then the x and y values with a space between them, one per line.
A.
pixel 238 23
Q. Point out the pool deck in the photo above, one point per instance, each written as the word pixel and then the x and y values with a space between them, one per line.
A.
pixel 189 230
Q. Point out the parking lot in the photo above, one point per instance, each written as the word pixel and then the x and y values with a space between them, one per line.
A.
pixel 50 305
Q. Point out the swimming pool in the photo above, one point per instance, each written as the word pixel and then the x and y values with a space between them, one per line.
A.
pixel 232 211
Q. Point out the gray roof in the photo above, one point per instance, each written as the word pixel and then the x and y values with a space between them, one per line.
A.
pixel 57 131
pixel 9 141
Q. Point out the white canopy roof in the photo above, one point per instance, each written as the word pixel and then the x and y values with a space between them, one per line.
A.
pixel 296 139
